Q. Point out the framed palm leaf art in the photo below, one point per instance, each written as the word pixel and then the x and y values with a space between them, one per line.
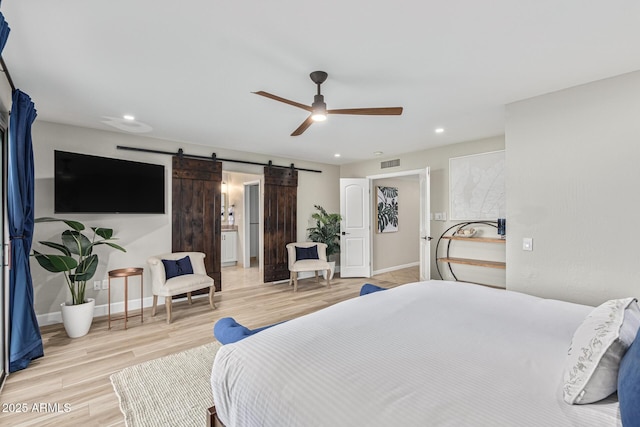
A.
pixel 387 221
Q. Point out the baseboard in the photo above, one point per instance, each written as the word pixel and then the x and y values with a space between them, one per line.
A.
pixel 116 308
pixel 397 267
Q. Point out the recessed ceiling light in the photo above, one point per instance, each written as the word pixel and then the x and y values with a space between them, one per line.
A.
pixel 128 117
pixel 126 125
pixel 439 130
pixel 378 153
pixel 336 155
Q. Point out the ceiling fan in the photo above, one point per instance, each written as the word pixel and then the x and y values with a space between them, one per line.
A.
pixel 319 110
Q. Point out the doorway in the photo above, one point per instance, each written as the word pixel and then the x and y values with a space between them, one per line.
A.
pixel 404 192
pixel 242 192
pixel 358 207
pixel 251 253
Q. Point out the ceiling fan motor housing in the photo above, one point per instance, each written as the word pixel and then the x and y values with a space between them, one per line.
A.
pixel 318 103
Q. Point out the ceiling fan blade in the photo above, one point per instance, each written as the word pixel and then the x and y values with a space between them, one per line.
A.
pixel 303 127
pixel 383 111
pixel 286 101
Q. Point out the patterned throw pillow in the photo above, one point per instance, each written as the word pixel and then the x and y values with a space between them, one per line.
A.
pixel 178 267
pixel 591 369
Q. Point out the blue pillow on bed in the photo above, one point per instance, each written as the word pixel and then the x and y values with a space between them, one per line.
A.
pixel 306 253
pixel 177 267
pixel 368 288
pixel 227 330
pixel 629 385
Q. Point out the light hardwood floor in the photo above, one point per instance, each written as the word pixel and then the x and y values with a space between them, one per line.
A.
pixel 75 372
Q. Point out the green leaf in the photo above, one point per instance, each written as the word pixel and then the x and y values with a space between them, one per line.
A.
pixel 86 269
pixel 114 246
pixel 77 226
pixel 76 242
pixel 55 263
pixel 105 233
pixel 57 246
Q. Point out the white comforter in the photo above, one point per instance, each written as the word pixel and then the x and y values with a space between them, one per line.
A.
pixel 424 354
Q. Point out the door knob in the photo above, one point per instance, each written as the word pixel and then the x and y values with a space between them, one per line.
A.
pixel 427 238
pixel 344 233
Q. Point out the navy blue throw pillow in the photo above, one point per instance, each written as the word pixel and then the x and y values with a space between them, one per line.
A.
pixel 629 385
pixel 178 267
pixel 368 288
pixel 227 330
pixel 306 253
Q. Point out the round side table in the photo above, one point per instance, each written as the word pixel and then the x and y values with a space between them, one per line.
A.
pixel 126 273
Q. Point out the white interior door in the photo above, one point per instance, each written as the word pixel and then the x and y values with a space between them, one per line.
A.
pixel 425 225
pixel 355 239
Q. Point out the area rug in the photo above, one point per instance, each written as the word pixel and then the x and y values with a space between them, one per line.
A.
pixel 174 390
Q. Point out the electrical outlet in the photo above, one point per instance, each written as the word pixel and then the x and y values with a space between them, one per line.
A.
pixel 105 284
pixel 96 285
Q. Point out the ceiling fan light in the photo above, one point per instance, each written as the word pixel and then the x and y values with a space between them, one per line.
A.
pixel 319 110
pixel 318 117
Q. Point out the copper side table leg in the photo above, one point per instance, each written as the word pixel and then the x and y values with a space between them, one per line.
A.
pixel 126 300
pixel 109 303
pixel 141 300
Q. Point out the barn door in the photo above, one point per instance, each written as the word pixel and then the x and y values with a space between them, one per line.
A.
pixel 280 205
pixel 196 211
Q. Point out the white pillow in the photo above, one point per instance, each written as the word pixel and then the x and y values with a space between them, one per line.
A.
pixel 591 368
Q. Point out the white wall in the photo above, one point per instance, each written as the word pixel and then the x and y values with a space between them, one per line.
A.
pixel 141 235
pixel 437 159
pixel 572 175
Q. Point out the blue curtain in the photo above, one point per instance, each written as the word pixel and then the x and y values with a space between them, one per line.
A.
pixel 4 32
pixel 25 342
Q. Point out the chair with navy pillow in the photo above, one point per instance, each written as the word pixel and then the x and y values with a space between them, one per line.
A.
pixel 307 256
pixel 178 273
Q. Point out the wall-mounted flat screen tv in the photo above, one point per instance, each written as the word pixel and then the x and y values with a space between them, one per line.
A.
pixel 92 184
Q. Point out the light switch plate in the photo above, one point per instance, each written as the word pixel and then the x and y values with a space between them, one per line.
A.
pixel 527 244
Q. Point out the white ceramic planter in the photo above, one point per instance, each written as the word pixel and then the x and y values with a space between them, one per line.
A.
pixel 333 269
pixel 77 319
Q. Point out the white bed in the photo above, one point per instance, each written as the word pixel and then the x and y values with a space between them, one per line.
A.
pixel 431 353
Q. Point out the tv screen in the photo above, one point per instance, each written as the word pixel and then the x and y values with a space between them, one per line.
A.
pixel 92 184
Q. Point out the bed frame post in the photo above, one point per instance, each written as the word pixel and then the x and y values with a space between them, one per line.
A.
pixel 212 417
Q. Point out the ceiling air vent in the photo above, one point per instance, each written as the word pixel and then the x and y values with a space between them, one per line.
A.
pixel 390 164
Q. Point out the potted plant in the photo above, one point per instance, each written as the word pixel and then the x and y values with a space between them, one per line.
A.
pixel 78 264
pixel 327 231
